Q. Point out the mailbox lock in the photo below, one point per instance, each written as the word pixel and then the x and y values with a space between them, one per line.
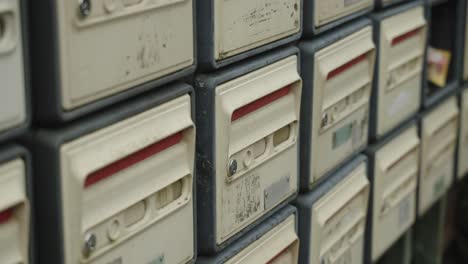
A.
pixel 85 7
pixel 90 244
pixel 232 167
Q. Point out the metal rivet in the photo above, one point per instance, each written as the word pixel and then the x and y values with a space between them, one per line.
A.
pixel 85 7
pixel 232 167
pixel 89 244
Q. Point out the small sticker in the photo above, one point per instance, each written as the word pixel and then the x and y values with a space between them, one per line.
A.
pixel 439 186
pixel 342 135
pixel 404 211
pixel 247 199
pixel 438 64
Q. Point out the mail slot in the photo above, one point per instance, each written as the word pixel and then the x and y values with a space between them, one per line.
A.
pixel 401 37
pixel 15 244
pixel 462 169
pixel 89 54
pixel 248 154
pixel 13 93
pixel 229 31
pixel 445 22
pixel 394 168
pixel 332 218
pixel 274 241
pixel 322 15
pixel 123 182
pixel 338 73
pixel 439 130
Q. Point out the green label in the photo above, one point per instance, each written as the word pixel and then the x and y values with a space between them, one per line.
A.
pixel 342 135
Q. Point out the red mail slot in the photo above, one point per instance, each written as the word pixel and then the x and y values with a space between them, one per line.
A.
pixel 405 36
pixel 6 215
pixel 132 159
pixel 259 103
pixel 346 66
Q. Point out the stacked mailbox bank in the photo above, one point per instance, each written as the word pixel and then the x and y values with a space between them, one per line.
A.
pixel 221 131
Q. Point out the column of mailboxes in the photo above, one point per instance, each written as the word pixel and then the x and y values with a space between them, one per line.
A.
pixel 121 175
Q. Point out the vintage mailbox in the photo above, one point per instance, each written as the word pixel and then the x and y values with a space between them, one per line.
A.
pixel 16 244
pixel 322 15
pixel 248 153
pixel 332 218
pixel 274 241
pixel 393 173
pixel 462 163
pixel 338 71
pixel 118 187
pixel 14 88
pixel 89 54
pixel 230 31
pixel 400 34
pixel 439 130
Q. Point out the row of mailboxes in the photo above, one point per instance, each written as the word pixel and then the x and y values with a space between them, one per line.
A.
pixel 14 90
pixel 76 71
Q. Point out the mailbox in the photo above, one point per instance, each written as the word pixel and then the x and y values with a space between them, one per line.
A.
pixel 14 89
pixel 16 244
pixel 332 218
pixel 230 31
pixel 323 15
pixel 118 187
pixel 439 130
pixel 401 39
pixel 248 153
pixel 274 241
pixel 89 54
pixel 462 168
pixel 338 71
pixel 393 173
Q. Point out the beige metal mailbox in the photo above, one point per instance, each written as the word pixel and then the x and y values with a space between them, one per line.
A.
pixel 278 246
pixel 439 129
pixel 127 188
pixel 343 74
pixel 339 221
pixel 104 51
pixel 251 117
pixel 12 74
pixel 257 128
pixel 124 181
pixel 394 180
pixel 463 136
pixel 243 25
pixel 333 217
pixel 402 44
pixel 327 11
pixel 14 213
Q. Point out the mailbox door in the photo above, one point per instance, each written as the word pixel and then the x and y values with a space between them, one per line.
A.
pixel 394 190
pixel 343 75
pixel 12 92
pixel 257 125
pixel 127 189
pixel 155 39
pixel 339 221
